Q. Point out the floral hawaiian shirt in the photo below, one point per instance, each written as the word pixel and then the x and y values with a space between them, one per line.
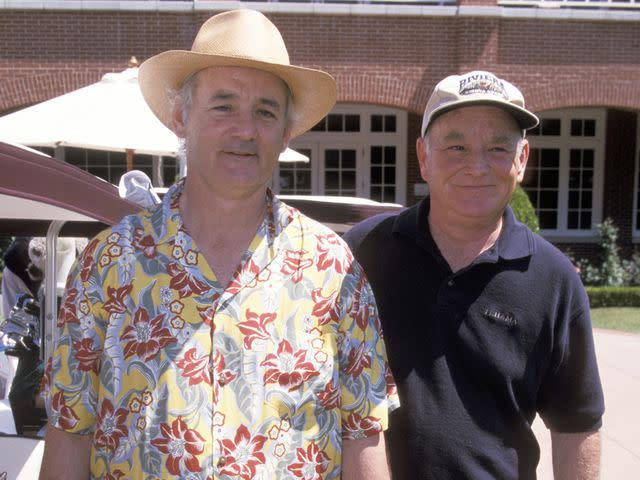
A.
pixel 178 377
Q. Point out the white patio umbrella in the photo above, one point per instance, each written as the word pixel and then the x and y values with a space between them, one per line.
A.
pixel 108 115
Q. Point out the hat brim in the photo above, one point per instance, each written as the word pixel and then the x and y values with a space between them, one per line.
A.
pixel 314 92
pixel 523 117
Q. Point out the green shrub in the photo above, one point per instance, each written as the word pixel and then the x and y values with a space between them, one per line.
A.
pixel 523 209
pixel 609 271
pixel 613 296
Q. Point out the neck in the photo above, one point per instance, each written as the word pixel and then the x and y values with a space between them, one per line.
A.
pixel 461 242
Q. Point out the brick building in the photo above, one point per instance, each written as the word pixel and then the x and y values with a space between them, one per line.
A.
pixel 577 63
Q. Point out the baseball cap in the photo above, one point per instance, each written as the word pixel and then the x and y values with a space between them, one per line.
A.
pixel 477 88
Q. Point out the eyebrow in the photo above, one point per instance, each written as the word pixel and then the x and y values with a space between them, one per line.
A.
pixel 227 95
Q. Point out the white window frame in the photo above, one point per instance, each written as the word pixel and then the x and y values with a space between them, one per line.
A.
pixel 364 139
pixel 565 142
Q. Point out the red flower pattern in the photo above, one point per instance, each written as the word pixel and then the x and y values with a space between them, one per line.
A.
pixel 312 463
pixel 115 475
pixel 359 427
pixel 110 426
pixel 358 359
pixel 185 283
pixel 392 388
pixel 67 418
pixel 115 303
pixel 68 313
pixel 145 337
pixel 331 255
pixel 248 276
pixel 360 312
pixel 295 264
pixel 287 368
pixel 86 260
pixel 325 308
pixel 255 327
pixel 181 444
pixel 146 243
pixel 88 358
pixel 197 369
pixel 331 396
pixel 242 454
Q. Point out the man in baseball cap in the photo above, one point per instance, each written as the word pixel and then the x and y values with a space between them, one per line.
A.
pixel 221 333
pixel 486 323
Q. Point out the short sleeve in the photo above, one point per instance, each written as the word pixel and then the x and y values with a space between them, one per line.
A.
pixel 71 381
pixel 368 390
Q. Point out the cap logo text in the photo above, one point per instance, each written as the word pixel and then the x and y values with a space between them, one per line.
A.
pixel 482 83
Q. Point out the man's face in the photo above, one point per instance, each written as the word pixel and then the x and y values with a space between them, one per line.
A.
pixel 235 130
pixel 472 159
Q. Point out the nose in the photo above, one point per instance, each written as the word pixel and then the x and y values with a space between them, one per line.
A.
pixel 245 126
pixel 478 163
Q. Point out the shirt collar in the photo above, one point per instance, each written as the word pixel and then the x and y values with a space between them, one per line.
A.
pixel 515 240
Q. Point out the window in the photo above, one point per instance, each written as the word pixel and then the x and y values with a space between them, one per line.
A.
pixel 636 203
pixel 564 172
pixel 356 150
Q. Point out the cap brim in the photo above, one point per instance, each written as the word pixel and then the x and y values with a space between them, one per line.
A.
pixel 314 92
pixel 523 117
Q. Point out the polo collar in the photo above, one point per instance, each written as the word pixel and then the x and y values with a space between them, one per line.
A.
pixel 515 240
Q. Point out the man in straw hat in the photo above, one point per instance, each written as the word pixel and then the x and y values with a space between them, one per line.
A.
pixel 486 323
pixel 221 334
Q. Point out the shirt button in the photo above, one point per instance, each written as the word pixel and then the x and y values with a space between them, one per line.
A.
pixel 450 282
pixel 222 461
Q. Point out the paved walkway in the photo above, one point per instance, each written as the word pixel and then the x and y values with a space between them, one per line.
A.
pixel 619 363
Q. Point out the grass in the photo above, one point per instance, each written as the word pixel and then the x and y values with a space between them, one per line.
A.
pixel 626 319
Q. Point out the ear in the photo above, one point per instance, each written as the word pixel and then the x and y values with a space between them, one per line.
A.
pixel 285 139
pixel 421 151
pixel 522 160
pixel 178 122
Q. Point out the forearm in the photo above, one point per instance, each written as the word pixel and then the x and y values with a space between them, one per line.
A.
pixel 576 456
pixel 365 459
pixel 66 455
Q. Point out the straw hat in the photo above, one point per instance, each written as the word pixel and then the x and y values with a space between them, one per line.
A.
pixel 238 38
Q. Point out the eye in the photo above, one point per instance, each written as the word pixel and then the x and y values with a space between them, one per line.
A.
pixel 266 113
pixel 222 108
pixel 456 148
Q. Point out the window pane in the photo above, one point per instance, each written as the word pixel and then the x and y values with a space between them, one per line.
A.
pixel 376 155
pixel 332 180
pixel 349 180
pixel 575 158
pixel 352 123
pixel 390 175
pixel 576 128
pixel 548 199
pixel 589 128
pixel 549 179
pixel 550 126
pixel 303 181
pixel 587 158
pixel 376 193
pixel 574 199
pixel 335 123
pixel 389 123
pixel 286 181
pixel 585 220
pixel 390 155
pixel 332 158
pixel 389 194
pixel 376 123
pixel 548 220
pixel 550 158
pixel 348 159
pixel 572 220
pixel 586 201
pixel 376 175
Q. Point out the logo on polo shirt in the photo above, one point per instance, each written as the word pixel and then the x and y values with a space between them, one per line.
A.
pixel 504 318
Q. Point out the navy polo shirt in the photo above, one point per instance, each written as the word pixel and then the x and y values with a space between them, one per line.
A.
pixel 478 352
